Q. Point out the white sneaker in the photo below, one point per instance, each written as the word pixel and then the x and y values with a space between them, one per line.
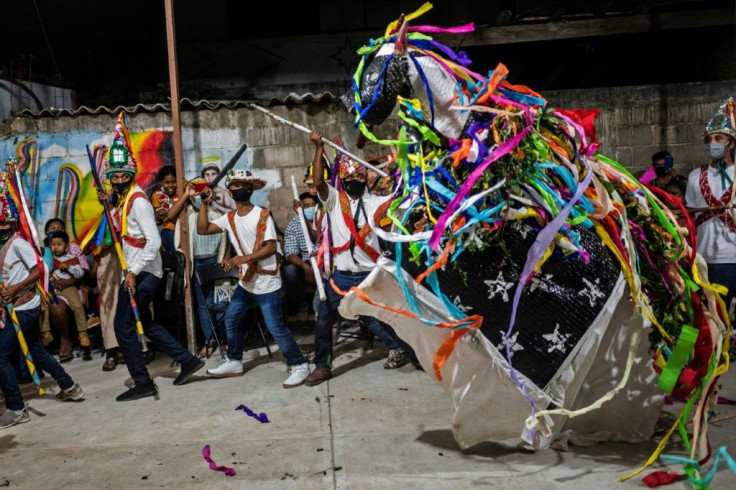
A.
pixel 297 375
pixel 227 369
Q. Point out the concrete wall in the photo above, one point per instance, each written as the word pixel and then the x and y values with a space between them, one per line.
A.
pixel 635 122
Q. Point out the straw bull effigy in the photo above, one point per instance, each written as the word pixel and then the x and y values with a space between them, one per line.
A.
pixel 552 295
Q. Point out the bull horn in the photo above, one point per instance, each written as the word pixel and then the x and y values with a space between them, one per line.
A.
pixel 401 41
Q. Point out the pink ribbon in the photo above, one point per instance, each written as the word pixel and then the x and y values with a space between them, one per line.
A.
pixel 449 30
pixel 213 466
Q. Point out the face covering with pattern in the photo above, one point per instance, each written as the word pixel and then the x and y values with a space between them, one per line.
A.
pixel 121 188
pixel 355 188
pixel 5 235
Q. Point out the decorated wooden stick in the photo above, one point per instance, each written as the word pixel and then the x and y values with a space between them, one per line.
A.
pixel 119 250
pixel 326 141
pixel 305 232
pixel 22 341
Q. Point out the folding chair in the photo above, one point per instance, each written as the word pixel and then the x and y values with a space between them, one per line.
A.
pixel 207 274
pixel 354 330
pixel 168 305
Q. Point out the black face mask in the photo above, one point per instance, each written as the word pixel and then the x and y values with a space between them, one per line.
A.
pixel 242 194
pixel 355 188
pixel 121 187
pixel 661 171
pixel 5 235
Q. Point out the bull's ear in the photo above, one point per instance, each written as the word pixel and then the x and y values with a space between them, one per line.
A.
pixel 401 44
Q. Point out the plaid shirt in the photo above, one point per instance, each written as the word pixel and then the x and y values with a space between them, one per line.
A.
pixel 294 240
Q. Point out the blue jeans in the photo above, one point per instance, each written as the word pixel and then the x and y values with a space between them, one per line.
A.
pixel 167 240
pixel 204 295
pixel 724 274
pixel 294 285
pixel 28 321
pixel 125 329
pixel 327 316
pixel 273 315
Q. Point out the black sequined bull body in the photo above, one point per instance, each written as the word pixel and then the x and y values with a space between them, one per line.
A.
pixel 574 320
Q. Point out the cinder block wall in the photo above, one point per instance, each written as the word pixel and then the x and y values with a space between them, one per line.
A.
pixel 635 122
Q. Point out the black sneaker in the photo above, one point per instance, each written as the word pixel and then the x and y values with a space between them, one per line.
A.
pixel 187 369
pixel 138 391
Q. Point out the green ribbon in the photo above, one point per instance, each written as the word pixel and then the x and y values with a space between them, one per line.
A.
pixel 676 362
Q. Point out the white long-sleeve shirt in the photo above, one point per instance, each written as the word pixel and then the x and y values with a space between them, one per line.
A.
pixel 142 224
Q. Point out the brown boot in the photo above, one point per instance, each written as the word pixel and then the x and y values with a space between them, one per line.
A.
pixel 84 339
pixel 318 376
pixel 46 338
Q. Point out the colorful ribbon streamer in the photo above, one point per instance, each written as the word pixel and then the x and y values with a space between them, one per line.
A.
pixel 261 417
pixel 206 454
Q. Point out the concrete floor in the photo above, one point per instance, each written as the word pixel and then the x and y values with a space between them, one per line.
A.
pixel 366 428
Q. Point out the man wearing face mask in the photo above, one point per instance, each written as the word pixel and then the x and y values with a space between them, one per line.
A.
pixel 134 218
pixel 664 171
pixel 298 270
pixel 711 186
pixel 354 248
pixel 253 235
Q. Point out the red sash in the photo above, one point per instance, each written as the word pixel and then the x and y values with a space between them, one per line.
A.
pixel 69 262
pixel 358 236
pixel 724 215
pixel 116 212
pixel 253 267
pixel 135 241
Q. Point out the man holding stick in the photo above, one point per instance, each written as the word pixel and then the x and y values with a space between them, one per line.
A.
pixel 20 309
pixel 711 187
pixel 134 220
pixel 253 235
pixel 354 247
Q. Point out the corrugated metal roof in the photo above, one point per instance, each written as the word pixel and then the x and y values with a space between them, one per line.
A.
pixel 186 105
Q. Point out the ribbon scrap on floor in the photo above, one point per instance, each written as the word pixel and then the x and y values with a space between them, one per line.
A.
pixel 261 417
pixel 213 466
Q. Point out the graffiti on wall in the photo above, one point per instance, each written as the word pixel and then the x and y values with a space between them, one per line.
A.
pixel 58 180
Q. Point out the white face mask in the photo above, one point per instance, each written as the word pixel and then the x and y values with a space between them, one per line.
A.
pixel 716 151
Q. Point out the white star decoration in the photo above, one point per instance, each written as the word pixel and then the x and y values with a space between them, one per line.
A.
pixel 499 286
pixel 556 340
pixel 514 345
pixel 460 307
pixel 591 292
pixel 540 282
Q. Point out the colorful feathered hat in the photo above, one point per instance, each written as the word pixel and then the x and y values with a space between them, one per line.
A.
pixel 120 158
pixel 723 120
pixel 8 209
pixel 345 165
pixel 244 176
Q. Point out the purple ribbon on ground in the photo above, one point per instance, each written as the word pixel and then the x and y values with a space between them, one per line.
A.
pixel 261 417
pixel 213 466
